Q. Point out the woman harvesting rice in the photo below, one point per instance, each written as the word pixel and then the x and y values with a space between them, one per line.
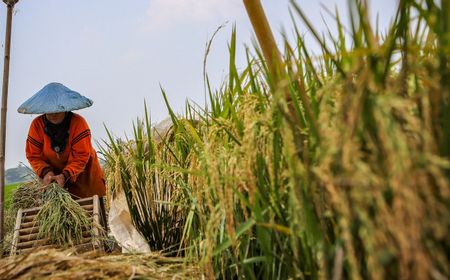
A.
pixel 59 144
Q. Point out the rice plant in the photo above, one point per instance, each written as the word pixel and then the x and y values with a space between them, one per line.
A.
pixel 329 167
pixel 136 168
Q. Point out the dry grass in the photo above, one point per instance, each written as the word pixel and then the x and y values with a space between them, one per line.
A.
pixel 53 264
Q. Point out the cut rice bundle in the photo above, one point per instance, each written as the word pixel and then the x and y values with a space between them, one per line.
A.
pixel 27 195
pixel 61 219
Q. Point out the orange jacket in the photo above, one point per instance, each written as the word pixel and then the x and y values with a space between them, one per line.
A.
pixel 78 161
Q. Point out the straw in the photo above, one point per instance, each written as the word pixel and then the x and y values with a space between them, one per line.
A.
pixel 52 264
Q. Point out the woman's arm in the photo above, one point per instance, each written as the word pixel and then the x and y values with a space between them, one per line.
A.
pixel 33 150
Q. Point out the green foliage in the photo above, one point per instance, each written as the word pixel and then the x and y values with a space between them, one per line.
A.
pixel 9 189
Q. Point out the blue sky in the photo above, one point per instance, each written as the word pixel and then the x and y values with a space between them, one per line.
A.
pixel 118 53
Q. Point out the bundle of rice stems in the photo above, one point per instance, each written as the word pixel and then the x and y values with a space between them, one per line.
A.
pixel 61 219
pixel 53 264
pixel 27 195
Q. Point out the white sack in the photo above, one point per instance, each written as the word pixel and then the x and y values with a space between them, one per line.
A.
pixel 122 228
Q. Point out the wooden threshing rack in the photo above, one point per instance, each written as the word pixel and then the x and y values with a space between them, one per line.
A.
pixel 26 229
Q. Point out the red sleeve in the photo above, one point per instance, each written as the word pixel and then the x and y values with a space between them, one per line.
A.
pixel 80 149
pixel 33 149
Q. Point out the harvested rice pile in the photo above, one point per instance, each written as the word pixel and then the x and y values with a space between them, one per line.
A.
pixel 52 264
pixel 25 196
pixel 61 219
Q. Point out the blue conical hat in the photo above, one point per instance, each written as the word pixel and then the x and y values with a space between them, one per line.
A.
pixel 54 98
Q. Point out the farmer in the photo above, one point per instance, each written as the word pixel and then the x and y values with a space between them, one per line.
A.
pixel 59 146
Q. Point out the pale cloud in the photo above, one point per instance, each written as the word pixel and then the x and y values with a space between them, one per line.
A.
pixel 130 57
pixel 165 14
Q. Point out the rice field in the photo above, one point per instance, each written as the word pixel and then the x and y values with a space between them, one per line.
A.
pixel 328 167
pixel 331 166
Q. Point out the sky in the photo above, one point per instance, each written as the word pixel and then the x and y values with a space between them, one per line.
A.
pixel 119 53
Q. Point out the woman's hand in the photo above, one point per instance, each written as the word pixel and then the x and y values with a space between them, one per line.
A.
pixel 60 179
pixel 48 178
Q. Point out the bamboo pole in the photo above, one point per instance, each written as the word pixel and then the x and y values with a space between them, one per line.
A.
pixel 10 7
pixel 274 61
pixel 265 36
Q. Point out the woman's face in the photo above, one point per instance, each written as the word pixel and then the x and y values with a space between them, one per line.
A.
pixel 55 118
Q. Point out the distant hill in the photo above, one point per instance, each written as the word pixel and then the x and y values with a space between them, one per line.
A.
pixel 18 174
